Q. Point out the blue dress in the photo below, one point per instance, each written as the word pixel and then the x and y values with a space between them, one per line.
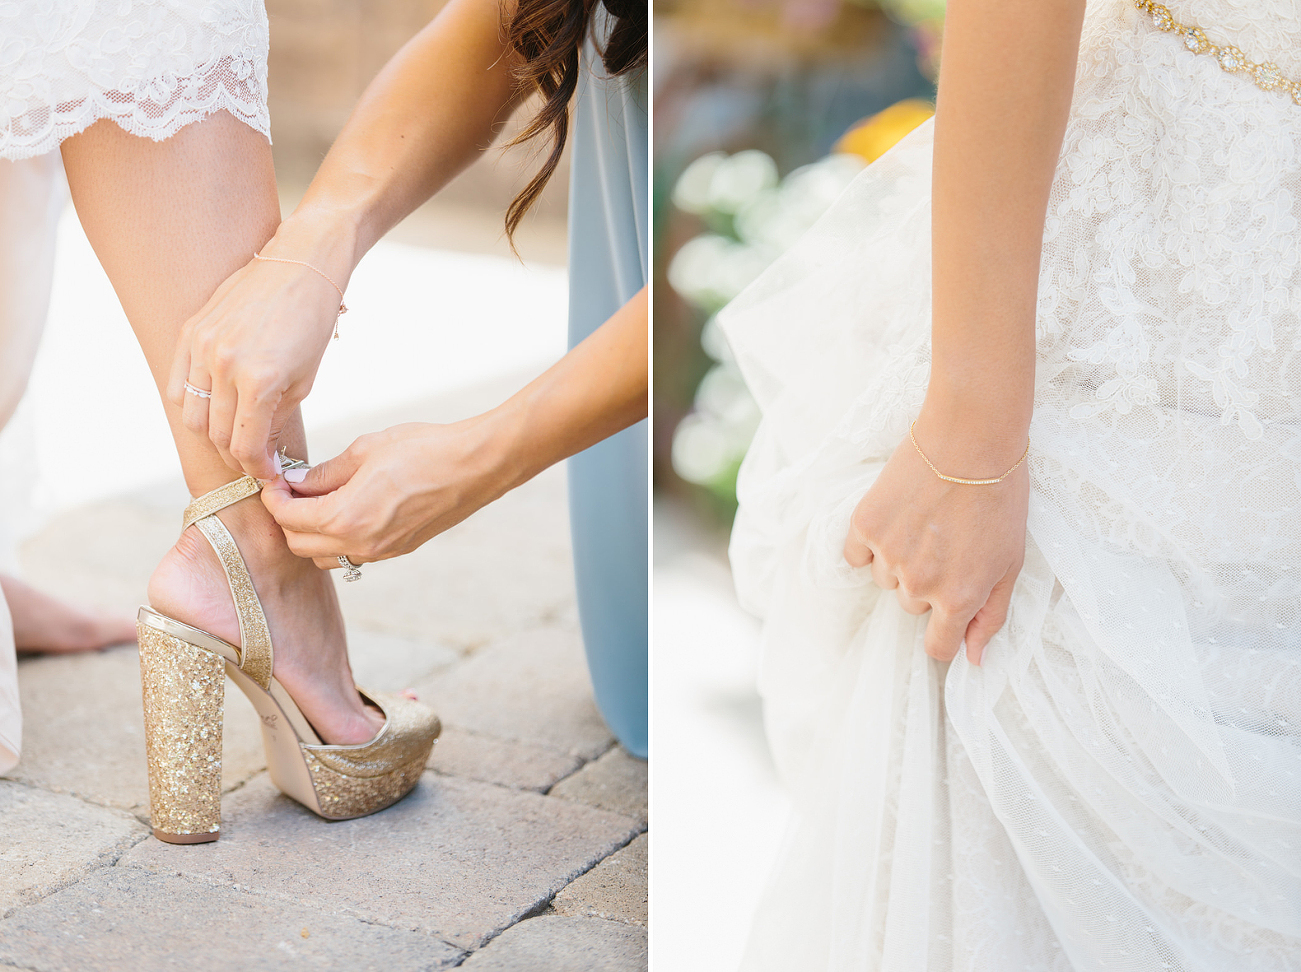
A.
pixel 608 493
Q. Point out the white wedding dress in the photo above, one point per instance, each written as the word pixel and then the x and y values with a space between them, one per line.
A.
pixel 153 67
pixel 1119 786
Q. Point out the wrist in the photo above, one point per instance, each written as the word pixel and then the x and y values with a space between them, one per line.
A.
pixel 970 435
pixel 497 449
pixel 990 399
pixel 326 239
pixel 520 448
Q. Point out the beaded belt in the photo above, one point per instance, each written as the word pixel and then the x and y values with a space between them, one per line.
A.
pixel 1267 75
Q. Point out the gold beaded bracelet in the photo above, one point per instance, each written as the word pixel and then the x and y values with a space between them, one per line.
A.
pixel 965 482
pixel 1266 75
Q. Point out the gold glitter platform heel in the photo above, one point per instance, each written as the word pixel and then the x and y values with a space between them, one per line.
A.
pixel 183 674
pixel 184 688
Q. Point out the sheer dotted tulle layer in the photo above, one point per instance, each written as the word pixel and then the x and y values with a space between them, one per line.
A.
pixel 1119 786
pixel 153 66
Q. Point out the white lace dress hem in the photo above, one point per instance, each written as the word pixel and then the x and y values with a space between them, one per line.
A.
pixel 152 67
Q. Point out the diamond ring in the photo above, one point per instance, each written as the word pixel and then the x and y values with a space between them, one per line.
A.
pixel 197 392
pixel 351 571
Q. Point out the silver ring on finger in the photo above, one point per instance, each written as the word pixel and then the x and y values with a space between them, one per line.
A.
pixel 351 571
pixel 197 392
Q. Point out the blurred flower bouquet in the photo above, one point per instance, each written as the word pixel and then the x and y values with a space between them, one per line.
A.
pixel 752 216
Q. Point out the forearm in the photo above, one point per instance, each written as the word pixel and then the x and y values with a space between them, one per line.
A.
pixel 432 110
pixel 594 391
pixel 1004 96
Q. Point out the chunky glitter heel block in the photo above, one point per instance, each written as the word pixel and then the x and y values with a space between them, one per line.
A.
pixel 183 673
pixel 184 688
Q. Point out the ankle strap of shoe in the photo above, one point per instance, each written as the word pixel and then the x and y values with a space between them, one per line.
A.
pixel 220 498
pixel 254 635
pixel 255 657
pixel 230 494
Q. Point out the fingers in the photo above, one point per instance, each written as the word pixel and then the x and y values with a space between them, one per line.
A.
pixel 883 576
pixel 913 605
pixel 322 549
pixel 194 407
pixel 249 435
pixel 302 519
pixel 276 495
pixel 325 477
pixel 304 516
pixel 944 633
pixel 332 563
pixel 990 618
pixel 857 553
pixel 221 416
pixel 948 627
pixel 314 525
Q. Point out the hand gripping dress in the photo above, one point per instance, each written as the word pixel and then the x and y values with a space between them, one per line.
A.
pixel 153 67
pixel 1119 786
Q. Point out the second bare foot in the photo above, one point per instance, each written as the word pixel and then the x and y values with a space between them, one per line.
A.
pixel 44 625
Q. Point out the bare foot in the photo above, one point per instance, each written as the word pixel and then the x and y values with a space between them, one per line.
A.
pixel 310 654
pixel 43 625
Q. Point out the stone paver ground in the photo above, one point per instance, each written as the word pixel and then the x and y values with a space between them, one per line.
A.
pixel 523 848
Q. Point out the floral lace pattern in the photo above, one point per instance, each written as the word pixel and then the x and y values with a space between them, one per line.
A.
pixel 153 66
pixel 1118 787
pixel 1191 183
pixel 1266 30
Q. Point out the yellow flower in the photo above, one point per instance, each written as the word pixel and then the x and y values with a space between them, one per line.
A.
pixel 873 137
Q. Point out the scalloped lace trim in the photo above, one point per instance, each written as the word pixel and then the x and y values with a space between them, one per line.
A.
pixel 158 109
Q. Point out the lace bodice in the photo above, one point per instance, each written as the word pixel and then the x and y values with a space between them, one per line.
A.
pixel 1186 181
pixel 150 65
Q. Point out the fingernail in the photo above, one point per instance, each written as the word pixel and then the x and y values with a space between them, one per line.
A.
pixel 294 475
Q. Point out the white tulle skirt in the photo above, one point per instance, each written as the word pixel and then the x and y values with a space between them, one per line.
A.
pixel 32 195
pixel 1118 787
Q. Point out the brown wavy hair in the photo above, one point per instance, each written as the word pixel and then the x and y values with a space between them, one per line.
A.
pixel 546 36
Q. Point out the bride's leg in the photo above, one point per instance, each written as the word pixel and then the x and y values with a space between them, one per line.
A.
pixel 170 221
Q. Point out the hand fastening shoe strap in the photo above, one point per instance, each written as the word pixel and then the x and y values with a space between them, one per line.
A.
pixel 254 635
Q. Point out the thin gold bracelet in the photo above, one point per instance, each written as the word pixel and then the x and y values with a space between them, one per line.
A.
pixel 965 482
pixel 343 308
